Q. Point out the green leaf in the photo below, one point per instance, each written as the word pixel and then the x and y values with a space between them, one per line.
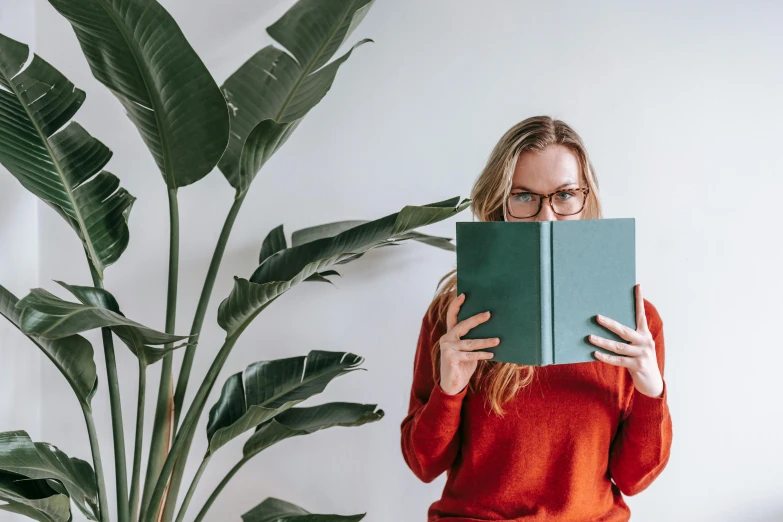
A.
pixel 62 168
pixel 19 508
pixel 319 277
pixel 276 510
pixel 304 421
pixel 19 455
pixel 273 90
pixel 330 272
pixel 260 145
pixel 33 498
pixel 267 388
pixel 309 234
pixel 288 263
pixel 273 242
pixel 286 268
pixel 72 355
pixel 138 51
pixel 50 317
pixel 443 243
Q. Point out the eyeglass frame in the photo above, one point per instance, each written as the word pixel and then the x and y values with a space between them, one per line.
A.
pixel 548 197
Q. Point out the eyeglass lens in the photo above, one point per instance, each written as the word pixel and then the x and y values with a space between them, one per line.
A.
pixel 564 202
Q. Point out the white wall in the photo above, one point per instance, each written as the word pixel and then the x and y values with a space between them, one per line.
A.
pixel 679 106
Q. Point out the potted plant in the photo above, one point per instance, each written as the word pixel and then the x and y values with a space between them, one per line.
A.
pixel 190 125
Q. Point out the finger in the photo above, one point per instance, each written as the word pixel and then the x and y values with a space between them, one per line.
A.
pixel 620 329
pixel 467 345
pixel 465 325
pixel 641 315
pixel 614 360
pixel 451 314
pixel 473 356
pixel 630 350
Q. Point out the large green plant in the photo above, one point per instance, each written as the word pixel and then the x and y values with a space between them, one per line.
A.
pixel 190 125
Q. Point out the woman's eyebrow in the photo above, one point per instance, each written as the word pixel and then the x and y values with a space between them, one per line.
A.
pixel 558 188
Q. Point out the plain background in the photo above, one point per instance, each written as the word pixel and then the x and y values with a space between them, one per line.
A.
pixel 679 106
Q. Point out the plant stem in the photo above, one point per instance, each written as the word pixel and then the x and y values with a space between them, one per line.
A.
pixel 192 488
pixel 103 504
pixel 190 352
pixel 163 424
pixel 218 489
pixel 118 432
pixel 137 453
pixel 201 309
pixel 186 432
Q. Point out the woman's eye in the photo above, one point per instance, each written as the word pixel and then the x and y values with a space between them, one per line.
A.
pixel 567 195
pixel 522 196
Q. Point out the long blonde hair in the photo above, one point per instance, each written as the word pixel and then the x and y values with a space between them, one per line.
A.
pixel 501 381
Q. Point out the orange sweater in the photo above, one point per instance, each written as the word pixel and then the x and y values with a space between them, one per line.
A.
pixel 564 439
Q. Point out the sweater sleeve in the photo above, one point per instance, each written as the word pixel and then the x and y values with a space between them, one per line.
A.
pixel 642 445
pixel 430 430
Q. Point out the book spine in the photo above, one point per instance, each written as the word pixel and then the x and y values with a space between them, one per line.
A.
pixel 547 354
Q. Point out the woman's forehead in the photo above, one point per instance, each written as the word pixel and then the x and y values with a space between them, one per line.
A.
pixel 550 169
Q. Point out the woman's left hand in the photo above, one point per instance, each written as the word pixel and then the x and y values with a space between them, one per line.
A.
pixel 639 356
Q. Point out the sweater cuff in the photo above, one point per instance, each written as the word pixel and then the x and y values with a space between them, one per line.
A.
pixel 442 411
pixel 445 398
pixel 646 406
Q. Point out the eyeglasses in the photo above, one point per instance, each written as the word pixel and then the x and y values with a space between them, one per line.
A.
pixel 566 202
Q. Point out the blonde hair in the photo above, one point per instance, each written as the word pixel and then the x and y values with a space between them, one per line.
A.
pixel 500 380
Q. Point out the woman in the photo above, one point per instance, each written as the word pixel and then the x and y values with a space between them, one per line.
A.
pixel 523 443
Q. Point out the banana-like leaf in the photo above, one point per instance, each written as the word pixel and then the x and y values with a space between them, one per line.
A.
pixel 62 168
pixel 50 317
pixel 33 498
pixel 286 264
pixel 303 421
pixel 29 512
pixel 273 90
pixel 435 241
pixel 26 511
pixel 260 145
pixel 276 510
pixel 275 241
pixel 330 272
pixel 288 267
pixel 72 355
pixel 137 50
pixel 320 277
pixel 267 388
pixel 20 455
pixel 309 234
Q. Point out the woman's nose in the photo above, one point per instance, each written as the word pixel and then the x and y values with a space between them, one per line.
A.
pixel 546 213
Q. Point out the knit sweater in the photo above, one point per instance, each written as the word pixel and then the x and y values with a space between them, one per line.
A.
pixel 569 446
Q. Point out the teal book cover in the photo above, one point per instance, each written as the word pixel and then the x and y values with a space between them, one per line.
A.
pixel 544 282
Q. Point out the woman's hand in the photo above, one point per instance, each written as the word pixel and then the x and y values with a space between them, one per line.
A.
pixel 639 355
pixel 458 361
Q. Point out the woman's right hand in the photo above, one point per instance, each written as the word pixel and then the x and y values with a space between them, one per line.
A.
pixel 458 361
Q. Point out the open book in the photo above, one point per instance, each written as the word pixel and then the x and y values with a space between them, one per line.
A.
pixel 544 282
